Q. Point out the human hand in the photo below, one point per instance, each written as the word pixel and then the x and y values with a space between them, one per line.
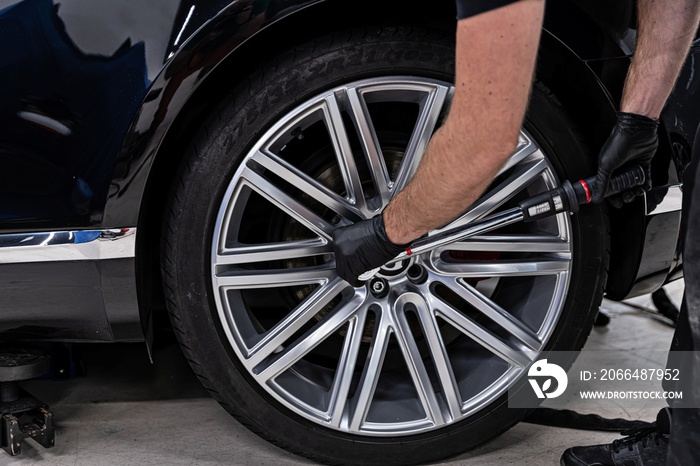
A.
pixel 361 247
pixel 633 139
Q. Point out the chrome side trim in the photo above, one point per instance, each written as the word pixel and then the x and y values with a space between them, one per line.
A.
pixel 55 246
pixel 663 200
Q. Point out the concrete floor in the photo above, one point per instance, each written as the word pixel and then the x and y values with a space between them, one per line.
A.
pixel 129 412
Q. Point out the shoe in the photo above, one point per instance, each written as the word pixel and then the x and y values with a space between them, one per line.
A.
pixel 664 305
pixel 647 446
pixel 601 320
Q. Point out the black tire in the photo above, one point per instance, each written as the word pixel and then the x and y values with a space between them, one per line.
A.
pixel 213 157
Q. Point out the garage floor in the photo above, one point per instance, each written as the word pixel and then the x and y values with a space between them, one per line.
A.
pixel 128 412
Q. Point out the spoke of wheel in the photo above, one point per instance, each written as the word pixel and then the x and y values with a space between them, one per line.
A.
pixel 480 335
pixel 413 358
pixel 494 312
pixel 245 254
pixel 308 185
pixel 288 204
pixel 438 353
pixel 346 368
pixel 247 279
pixel 371 373
pixel 295 320
pixel 346 159
pixel 522 176
pixel 370 144
pixel 307 342
pixel 525 147
pixel 423 130
pixel 513 243
pixel 502 268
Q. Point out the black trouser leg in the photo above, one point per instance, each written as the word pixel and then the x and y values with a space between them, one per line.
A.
pixel 684 448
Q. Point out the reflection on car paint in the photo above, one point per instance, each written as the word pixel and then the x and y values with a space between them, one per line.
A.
pixel 64 115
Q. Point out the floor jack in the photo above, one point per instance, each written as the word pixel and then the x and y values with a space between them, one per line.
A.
pixel 23 416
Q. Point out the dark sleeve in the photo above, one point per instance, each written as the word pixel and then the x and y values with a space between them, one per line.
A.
pixel 467 8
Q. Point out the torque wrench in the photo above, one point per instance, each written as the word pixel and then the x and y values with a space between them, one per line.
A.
pixel 566 198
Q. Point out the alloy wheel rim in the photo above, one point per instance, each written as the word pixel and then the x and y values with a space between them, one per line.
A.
pixel 432 350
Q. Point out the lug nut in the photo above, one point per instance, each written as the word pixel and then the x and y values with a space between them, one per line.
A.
pixel 379 287
pixel 417 274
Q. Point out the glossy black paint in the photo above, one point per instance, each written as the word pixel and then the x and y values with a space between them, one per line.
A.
pixel 119 86
pixel 70 89
pixel 69 301
pixel 188 68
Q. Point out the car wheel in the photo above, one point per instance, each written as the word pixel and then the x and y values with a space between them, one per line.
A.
pixel 415 365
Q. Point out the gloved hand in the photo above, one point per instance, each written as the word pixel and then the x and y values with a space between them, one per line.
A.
pixel 361 247
pixel 633 139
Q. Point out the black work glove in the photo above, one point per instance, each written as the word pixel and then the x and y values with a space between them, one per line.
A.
pixel 361 247
pixel 632 140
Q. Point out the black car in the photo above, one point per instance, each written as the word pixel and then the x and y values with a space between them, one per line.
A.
pixel 195 157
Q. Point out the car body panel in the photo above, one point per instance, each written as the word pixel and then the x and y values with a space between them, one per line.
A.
pixel 187 68
pixel 72 74
pixel 69 286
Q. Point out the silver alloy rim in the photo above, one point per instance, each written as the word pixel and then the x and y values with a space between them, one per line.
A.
pixel 428 352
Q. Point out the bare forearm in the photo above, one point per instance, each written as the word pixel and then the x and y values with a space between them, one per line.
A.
pixel 665 31
pixel 441 189
pixel 495 60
